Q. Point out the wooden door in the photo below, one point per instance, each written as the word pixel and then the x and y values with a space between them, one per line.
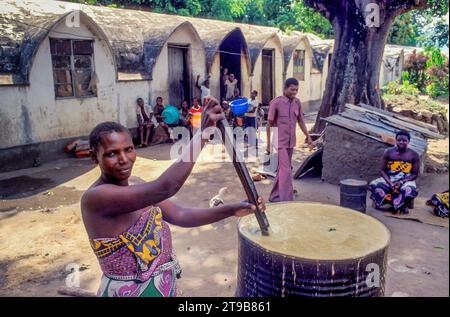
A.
pixel 267 76
pixel 179 79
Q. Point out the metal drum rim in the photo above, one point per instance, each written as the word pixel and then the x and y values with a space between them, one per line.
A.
pixel 241 235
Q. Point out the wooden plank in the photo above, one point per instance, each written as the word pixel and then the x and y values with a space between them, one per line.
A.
pixel 399 123
pixel 351 115
pixel 403 118
pixel 379 136
pixel 306 167
pixel 416 139
pixel 385 132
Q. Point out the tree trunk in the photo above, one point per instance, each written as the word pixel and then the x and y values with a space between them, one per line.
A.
pixel 354 72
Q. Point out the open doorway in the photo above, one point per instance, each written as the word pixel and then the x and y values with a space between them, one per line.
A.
pixel 267 76
pixel 231 49
pixel 179 74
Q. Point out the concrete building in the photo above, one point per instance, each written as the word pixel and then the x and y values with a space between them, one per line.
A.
pixel 298 62
pixel 392 64
pixel 65 67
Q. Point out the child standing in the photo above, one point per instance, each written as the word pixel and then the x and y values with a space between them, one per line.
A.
pixel 195 114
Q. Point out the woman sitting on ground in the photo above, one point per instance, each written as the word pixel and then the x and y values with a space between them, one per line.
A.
pixel 400 168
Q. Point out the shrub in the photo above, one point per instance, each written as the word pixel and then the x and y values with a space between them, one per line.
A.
pixel 428 71
pixel 405 88
pixel 416 70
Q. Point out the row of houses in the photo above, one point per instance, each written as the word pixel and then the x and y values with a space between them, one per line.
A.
pixel 65 67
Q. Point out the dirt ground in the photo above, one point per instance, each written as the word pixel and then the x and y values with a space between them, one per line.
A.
pixel 42 234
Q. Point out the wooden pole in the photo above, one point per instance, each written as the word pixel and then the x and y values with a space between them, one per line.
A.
pixel 244 175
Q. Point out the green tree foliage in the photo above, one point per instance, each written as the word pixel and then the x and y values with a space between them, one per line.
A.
pixel 404 31
pixel 422 27
pixel 416 70
pixel 437 73
pixel 287 15
pixel 426 72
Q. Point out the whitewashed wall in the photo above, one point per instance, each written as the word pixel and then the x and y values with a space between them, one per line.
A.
pixel 183 35
pixel 304 86
pixel 256 80
pixel 32 114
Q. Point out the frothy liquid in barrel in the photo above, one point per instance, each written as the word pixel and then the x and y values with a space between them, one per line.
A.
pixel 317 231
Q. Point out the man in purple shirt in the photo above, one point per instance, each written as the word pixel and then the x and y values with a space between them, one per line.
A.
pixel 284 114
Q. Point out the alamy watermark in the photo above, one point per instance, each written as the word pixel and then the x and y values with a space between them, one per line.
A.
pixel 373 279
pixel 372 15
pixel 249 143
pixel 73 275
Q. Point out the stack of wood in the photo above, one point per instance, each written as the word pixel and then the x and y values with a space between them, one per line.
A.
pixel 79 148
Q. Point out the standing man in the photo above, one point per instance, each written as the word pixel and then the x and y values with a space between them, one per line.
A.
pixel 284 113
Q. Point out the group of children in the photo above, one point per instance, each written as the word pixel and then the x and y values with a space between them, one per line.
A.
pixel 153 129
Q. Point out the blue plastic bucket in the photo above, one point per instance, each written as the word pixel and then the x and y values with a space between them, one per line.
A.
pixel 171 114
pixel 239 106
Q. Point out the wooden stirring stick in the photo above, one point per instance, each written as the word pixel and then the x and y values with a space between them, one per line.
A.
pixel 244 176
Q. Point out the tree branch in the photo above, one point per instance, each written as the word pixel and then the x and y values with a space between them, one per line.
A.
pixel 328 8
pixel 398 7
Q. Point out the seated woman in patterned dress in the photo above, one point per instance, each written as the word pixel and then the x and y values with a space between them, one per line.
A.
pixel 126 224
pixel 400 168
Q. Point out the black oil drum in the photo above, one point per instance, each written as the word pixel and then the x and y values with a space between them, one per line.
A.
pixel 313 250
pixel 354 194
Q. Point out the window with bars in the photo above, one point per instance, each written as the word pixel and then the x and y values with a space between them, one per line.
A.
pixel 299 64
pixel 73 67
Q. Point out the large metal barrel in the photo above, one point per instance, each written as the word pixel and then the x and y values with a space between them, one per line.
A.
pixel 354 194
pixel 312 250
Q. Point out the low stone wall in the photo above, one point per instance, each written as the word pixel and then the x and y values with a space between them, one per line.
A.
pixel 413 108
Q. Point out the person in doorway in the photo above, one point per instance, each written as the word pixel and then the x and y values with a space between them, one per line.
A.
pixel 285 112
pixel 223 80
pixel 144 115
pixel 230 86
pixel 399 169
pixel 127 225
pixel 204 88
